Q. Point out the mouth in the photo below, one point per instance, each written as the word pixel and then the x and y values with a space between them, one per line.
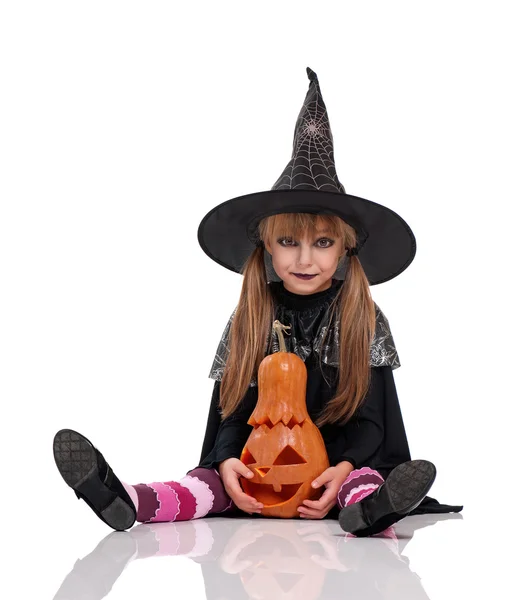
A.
pixel 303 276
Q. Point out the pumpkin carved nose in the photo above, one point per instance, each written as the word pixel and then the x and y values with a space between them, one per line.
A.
pixel 262 471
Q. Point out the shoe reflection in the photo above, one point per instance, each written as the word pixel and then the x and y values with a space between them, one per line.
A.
pixel 262 558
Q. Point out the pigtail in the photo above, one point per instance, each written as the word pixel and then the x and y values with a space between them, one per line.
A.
pixel 248 338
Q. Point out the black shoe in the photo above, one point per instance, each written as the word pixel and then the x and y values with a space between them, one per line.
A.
pixel 85 470
pixel 405 488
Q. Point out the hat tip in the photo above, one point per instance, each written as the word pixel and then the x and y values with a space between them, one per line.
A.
pixel 311 75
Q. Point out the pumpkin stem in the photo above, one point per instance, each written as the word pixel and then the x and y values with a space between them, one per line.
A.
pixel 278 327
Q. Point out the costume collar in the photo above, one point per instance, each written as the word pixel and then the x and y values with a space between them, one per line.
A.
pixel 302 302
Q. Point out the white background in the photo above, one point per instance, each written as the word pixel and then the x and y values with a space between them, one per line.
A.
pixel 123 123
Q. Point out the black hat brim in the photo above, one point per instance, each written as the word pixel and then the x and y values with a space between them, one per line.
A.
pixel 227 233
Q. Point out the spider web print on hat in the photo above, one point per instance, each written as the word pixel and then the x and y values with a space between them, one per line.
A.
pixel 312 165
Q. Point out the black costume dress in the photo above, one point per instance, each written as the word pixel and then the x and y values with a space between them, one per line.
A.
pixel 374 437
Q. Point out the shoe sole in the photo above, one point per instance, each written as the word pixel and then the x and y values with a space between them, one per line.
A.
pixel 76 461
pixel 405 488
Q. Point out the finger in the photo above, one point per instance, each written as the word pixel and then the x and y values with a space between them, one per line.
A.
pixel 324 502
pixel 248 502
pixel 241 494
pixel 253 501
pixel 239 497
pixel 244 506
pixel 243 471
pixel 306 511
pixel 248 509
pixel 312 503
pixel 234 485
pixel 312 514
pixel 322 480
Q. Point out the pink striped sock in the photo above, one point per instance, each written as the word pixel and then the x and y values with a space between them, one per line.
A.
pixel 195 495
pixel 358 485
pixel 132 494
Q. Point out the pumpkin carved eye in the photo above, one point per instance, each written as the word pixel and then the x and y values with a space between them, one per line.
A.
pixel 247 457
pixel 287 456
pixel 290 457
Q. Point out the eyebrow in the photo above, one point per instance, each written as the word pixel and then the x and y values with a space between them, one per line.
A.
pixel 321 231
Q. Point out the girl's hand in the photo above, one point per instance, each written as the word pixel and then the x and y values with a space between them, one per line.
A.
pixel 332 479
pixel 230 470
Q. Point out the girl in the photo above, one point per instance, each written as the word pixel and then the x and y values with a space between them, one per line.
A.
pixel 297 247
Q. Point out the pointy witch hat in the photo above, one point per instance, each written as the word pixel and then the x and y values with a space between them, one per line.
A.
pixel 309 183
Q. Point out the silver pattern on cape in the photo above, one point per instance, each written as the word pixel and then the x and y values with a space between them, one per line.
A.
pixel 382 350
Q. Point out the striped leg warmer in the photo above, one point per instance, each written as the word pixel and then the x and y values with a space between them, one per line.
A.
pixel 197 494
pixel 359 484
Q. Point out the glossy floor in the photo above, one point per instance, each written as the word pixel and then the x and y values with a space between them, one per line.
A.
pixel 424 556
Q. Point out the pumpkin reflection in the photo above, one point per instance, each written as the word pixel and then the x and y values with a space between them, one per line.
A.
pixel 282 566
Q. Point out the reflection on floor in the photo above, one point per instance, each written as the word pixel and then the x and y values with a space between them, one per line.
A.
pixel 262 558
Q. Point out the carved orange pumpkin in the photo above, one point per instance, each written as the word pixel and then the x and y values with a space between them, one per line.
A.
pixel 285 450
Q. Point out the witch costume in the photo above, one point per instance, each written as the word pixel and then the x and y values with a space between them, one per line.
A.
pixel 386 246
pixel 385 485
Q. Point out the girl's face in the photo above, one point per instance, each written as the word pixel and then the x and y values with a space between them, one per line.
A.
pixel 318 257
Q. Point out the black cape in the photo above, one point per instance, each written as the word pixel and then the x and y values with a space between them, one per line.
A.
pixel 307 314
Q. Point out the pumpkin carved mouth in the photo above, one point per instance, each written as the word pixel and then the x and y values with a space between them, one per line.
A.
pixel 267 494
pixel 272 494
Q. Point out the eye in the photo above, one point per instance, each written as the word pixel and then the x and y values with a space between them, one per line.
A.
pixel 330 242
pixel 327 242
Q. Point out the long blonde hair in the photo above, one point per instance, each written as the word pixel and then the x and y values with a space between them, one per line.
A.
pixel 252 322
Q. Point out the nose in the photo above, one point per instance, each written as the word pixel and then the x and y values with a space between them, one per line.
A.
pixel 305 255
